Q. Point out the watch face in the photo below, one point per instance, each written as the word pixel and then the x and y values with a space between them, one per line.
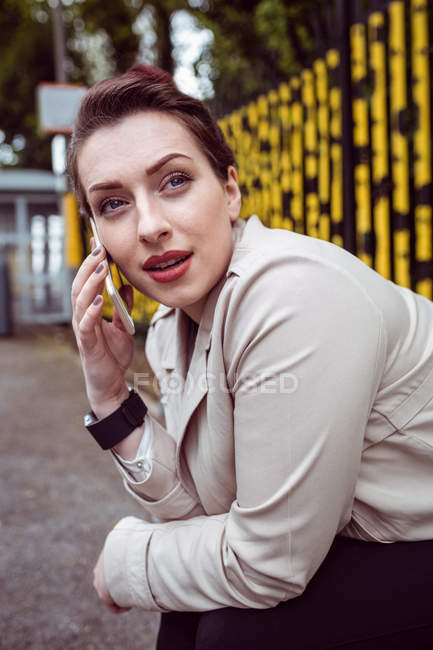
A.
pixel 89 419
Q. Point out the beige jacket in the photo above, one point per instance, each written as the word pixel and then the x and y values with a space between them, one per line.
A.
pixel 306 410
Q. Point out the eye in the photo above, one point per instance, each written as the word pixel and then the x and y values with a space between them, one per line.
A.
pixel 110 205
pixel 175 181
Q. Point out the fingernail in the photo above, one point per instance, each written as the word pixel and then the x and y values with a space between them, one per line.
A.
pixel 99 267
pixel 96 251
pixel 97 300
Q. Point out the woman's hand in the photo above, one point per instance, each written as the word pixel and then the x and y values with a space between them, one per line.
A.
pixel 102 590
pixel 106 349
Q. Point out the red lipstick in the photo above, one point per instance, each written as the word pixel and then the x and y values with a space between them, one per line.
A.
pixel 168 267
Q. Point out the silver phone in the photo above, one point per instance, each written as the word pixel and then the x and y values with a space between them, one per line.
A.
pixel 114 295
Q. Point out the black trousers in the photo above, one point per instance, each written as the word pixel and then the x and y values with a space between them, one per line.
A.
pixel 365 596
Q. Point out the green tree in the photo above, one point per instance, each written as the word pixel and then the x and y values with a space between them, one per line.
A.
pixel 25 59
pixel 258 43
pixel 101 38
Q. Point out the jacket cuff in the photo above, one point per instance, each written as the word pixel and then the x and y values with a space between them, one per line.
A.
pixel 177 504
pixel 125 564
pixel 162 477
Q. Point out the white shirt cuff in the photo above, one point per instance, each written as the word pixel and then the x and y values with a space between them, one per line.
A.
pixel 141 467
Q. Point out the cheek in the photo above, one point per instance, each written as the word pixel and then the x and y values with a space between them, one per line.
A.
pixel 119 242
pixel 206 219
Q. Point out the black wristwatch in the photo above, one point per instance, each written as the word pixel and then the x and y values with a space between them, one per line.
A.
pixel 109 431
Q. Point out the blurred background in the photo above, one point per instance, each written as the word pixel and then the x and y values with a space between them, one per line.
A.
pixel 327 106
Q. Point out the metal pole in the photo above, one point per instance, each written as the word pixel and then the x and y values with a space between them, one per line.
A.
pixel 59 42
pixel 5 298
pixel 349 235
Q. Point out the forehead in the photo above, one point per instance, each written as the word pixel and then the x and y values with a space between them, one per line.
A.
pixel 141 138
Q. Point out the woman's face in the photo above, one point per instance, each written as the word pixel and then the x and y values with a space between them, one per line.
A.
pixel 153 193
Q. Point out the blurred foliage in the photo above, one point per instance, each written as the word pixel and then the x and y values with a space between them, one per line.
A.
pixel 25 59
pixel 101 39
pixel 256 44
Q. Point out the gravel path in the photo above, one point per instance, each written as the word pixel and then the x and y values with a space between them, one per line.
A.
pixel 60 495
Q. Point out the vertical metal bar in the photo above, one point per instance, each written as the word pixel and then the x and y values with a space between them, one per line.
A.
pixel 265 175
pixel 242 140
pixel 286 170
pixel 59 41
pixel 243 152
pixel 275 158
pixel 321 74
pixel 73 250
pixel 23 232
pixel 343 8
pixel 379 144
pixel 422 148
pixel 399 144
pixel 297 156
pixel 310 154
pixel 256 194
pixel 336 147
pixel 364 243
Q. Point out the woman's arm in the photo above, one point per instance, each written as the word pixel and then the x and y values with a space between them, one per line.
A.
pixel 298 449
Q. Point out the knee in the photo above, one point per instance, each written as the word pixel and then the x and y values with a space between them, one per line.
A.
pixel 224 628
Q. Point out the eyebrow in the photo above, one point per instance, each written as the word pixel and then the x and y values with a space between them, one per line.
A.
pixel 115 185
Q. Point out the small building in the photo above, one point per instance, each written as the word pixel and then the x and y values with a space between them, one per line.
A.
pixel 32 238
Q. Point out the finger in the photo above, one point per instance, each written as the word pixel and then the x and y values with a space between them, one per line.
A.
pixel 86 269
pixel 89 324
pixel 91 288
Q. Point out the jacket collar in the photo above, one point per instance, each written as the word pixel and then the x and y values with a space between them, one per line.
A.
pixel 176 352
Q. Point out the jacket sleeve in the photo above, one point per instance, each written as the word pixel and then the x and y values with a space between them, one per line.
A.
pixel 162 494
pixel 304 351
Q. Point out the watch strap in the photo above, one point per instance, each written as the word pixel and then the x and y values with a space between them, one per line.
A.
pixel 112 429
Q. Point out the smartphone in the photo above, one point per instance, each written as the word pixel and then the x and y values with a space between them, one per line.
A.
pixel 114 295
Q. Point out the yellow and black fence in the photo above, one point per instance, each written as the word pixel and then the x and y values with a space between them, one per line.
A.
pixel 342 150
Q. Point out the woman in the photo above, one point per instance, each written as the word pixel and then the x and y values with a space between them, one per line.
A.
pixel 297 385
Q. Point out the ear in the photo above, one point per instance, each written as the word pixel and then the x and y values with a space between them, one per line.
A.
pixel 233 194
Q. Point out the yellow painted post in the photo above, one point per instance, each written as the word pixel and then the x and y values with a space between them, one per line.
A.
pixel 73 251
pixel 379 144
pixel 321 76
pixel 285 162
pixel 422 146
pixel 254 160
pixel 399 144
pixel 310 154
pixel 361 143
pixel 265 171
pixel 275 159
pixel 297 151
pixel 243 158
pixel 336 150
pixel 236 141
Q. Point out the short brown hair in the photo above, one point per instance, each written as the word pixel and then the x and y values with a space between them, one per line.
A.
pixel 141 88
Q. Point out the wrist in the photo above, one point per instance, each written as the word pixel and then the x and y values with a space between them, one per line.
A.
pixel 128 447
pixel 110 430
pixel 103 408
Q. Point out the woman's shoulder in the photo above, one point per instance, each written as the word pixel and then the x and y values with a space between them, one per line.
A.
pixel 290 258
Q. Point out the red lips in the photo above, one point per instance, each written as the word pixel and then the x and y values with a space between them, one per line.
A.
pixel 170 273
pixel 166 257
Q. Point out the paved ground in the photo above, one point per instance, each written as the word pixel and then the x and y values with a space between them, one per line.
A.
pixel 60 495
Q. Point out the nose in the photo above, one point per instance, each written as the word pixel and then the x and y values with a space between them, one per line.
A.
pixel 153 226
